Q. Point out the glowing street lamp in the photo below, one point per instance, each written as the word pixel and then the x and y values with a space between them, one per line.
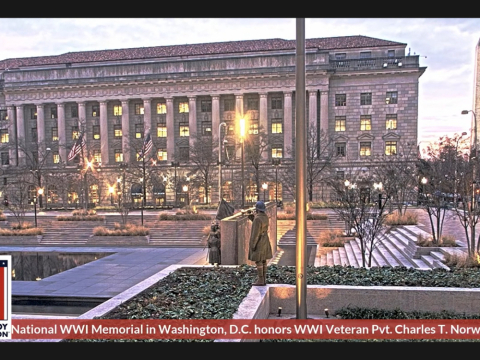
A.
pixel 264 187
pixel 40 193
pixel 111 189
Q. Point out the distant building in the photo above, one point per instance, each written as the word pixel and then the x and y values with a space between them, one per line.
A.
pixel 361 91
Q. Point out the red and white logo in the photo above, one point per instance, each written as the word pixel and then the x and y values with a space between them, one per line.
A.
pixel 6 297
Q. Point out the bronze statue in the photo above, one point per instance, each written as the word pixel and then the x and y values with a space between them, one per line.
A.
pixel 214 244
pixel 260 249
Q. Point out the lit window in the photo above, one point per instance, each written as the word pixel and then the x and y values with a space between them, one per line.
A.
pixel 96 132
pixel 56 158
pixel 95 110
pixel 161 108
pixel 75 133
pixel 139 109
pixel 366 99
pixel 184 129
pixel 161 130
pixel 390 147
pixel 277 126
pixel 97 156
pixel 183 107
pixel 54 133
pixel 33 113
pixel 276 103
pixel 365 148
pixel 117 110
pixel 117 131
pixel 340 123
pixel 340 99
pixel 206 105
pixel 161 155
pixel 229 104
pixel 252 104
pixel 206 128
pixel 365 122
pixel 4 135
pixel 253 128
pixel 53 113
pixel 340 149
pixel 277 152
pixel 118 156
pixel 391 122
pixel 138 131
pixel 391 97
pixel 230 128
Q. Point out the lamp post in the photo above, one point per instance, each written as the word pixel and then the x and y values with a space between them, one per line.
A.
pixel 185 190
pixel 40 193
pixel 264 187
pixel 111 189
pixel 242 141
pixel 175 164
pixel 220 160
pixel 276 163
pixel 423 181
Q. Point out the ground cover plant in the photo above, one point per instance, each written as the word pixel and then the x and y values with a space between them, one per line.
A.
pixel 216 293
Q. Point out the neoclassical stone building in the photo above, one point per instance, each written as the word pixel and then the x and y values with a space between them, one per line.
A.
pixel 361 91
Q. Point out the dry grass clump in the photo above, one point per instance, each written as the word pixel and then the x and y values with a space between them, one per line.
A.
pixel 181 216
pixel 121 230
pixel 409 218
pixel 81 215
pixel 26 229
pixel 188 210
pixel 83 212
pixel 332 238
pixel 427 241
pixel 310 216
pixel 460 260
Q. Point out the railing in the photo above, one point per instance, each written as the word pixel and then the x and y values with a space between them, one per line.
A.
pixel 374 63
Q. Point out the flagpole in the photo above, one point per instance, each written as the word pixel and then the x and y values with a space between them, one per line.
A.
pixel 85 183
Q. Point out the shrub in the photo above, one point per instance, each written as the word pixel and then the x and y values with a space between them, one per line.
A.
pixel 409 218
pixel 121 230
pixel 32 231
pixel 332 238
pixel 2 216
pixel 427 241
pixel 181 216
pixel 310 216
pixel 460 260
pixel 83 212
pixel 80 218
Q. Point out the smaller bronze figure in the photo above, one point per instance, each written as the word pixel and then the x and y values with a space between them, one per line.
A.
pixel 214 244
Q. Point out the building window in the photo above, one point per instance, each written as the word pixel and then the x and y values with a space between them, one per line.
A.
pixel 230 152
pixel 365 54
pixel 96 132
pixel 340 99
pixel 53 113
pixel 252 104
pixel 161 130
pixel 229 104
pixel 56 158
pixel 206 128
pixel 340 123
pixel 390 147
pixel 95 110
pixel 391 98
pixel 4 135
pixel 33 113
pixel 139 109
pixel 34 133
pixel 365 122
pixel 276 103
pixel 162 155
pixel 206 105
pixel 117 110
pixel 277 152
pixel 161 108
pixel 183 154
pixel 366 99
pixel 118 155
pixel 138 131
pixel 365 148
pixel 5 158
pixel 230 128
pixel 340 56
pixel 340 148
pixel 340 175
pixel 184 129
pixel 97 156
pixel 3 115
pixel 55 133
pixel 391 122
pixel 74 111
pixel 253 128
pixel 391 53
pixel 277 126
pixel 183 107
pixel 117 131
pixel 75 133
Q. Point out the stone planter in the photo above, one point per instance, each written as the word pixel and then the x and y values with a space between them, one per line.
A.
pixel 21 240
pixel 118 240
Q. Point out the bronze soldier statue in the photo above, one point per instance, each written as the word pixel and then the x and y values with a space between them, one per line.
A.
pixel 259 247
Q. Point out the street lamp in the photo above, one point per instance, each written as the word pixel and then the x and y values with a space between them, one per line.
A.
pixel 264 187
pixel 424 182
pixel 40 193
pixel 175 164
pixel 220 160
pixel 242 141
pixel 276 163
pixel 185 190
pixel 111 189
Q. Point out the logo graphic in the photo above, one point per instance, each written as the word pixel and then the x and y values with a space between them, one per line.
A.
pixel 6 297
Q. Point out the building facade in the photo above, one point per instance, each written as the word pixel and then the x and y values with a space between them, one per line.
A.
pixel 361 91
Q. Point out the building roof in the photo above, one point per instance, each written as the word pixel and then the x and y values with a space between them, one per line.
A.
pixel 229 47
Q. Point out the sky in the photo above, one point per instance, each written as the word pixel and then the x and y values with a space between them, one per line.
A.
pixel 446 47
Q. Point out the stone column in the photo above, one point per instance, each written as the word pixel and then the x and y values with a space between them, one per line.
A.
pixel 125 131
pixel 215 116
pixel 170 130
pixel 324 111
pixel 62 136
pixel 312 109
pixel 21 134
pixel 147 115
pixel 82 115
pixel 192 119
pixel 287 124
pixel 264 119
pixel 238 116
pixel 104 132
pixel 12 136
pixel 41 133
